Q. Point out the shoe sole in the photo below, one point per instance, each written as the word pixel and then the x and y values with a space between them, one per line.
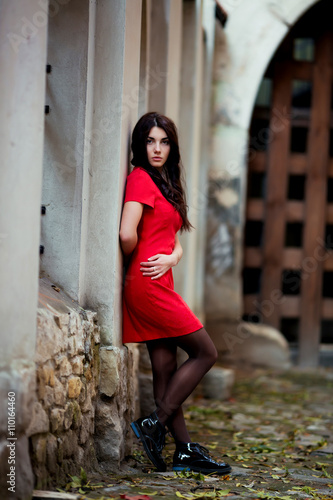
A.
pixel 139 435
pixel 179 468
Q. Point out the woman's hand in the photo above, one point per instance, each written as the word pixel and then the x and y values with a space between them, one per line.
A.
pixel 158 265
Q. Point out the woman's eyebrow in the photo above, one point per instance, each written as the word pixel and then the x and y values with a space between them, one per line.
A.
pixel 163 138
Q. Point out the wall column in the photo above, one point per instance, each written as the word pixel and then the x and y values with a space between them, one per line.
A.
pixel 115 105
pixel 208 21
pixel 190 133
pixel 164 35
pixel 23 32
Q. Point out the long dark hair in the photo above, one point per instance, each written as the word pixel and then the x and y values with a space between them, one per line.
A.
pixel 172 189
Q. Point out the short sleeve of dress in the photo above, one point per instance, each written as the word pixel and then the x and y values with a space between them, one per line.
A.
pixel 140 187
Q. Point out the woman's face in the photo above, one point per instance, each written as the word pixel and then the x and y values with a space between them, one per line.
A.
pixel 158 147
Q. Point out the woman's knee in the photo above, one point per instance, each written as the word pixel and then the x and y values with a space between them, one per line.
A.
pixel 214 355
pixel 210 352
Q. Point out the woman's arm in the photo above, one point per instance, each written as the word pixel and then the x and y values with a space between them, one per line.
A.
pixel 130 219
pixel 160 263
pixel 177 251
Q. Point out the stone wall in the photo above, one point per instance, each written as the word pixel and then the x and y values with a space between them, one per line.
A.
pixel 83 396
pixel 61 431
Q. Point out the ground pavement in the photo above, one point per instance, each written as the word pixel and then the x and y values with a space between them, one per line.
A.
pixel 276 432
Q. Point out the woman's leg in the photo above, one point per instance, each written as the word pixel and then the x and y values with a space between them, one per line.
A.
pixel 163 356
pixel 171 387
pixel 202 356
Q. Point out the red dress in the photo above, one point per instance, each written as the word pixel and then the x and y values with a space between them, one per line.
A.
pixel 151 308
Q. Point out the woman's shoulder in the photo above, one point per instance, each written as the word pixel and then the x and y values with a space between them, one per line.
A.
pixel 139 173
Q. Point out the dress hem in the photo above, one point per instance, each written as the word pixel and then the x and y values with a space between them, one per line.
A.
pixel 161 338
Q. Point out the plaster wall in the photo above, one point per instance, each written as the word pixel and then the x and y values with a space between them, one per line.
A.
pixel 23 32
pixel 65 144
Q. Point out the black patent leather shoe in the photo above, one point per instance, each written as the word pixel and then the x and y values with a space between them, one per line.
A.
pixel 194 457
pixel 151 433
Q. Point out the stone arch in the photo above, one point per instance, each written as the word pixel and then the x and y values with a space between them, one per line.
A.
pixel 248 48
pixel 242 52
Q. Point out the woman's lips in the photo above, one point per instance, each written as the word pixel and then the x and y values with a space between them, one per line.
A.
pixel 157 158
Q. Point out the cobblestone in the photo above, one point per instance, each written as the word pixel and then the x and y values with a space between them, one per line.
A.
pixel 276 431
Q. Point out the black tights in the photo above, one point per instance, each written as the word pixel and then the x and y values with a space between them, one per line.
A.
pixel 171 385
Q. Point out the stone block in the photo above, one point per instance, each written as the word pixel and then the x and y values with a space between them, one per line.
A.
pixel 50 339
pixel 77 365
pixel 60 450
pixel 109 372
pixel 59 392
pixel 51 453
pixel 74 323
pixel 133 382
pixel 70 444
pixel 87 372
pixel 74 387
pixel 88 349
pixel 86 404
pixel 218 383
pixel 63 321
pixel 71 346
pixel 48 398
pixel 147 402
pixel 109 435
pixel 251 345
pixel 65 367
pixel 68 415
pixel 77 415
pixel 39 421
pixel 80 455
pixel 87 428
pixel 144 359
pixel 83 393
pixel 40 449
pixel 57 419
pixel 45 374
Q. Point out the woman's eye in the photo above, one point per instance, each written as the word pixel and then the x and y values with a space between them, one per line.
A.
pixel 166 143
pixel 149 141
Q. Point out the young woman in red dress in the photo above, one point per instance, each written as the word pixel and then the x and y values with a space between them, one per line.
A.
pixel 154 211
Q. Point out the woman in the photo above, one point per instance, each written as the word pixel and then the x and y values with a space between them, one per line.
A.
pixel 154 211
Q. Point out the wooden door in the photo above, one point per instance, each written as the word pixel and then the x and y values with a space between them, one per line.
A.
pixel 288 258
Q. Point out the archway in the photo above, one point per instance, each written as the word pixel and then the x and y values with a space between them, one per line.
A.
pixel 289 226
pixel 243 53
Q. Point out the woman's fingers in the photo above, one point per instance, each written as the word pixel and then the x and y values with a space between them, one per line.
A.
pixel 150 271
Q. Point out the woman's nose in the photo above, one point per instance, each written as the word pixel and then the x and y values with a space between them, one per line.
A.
pixel 157 146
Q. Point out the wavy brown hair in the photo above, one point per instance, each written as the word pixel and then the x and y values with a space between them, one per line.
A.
pixel 172 188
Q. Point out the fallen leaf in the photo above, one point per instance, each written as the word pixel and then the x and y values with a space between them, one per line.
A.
pixel 135 497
